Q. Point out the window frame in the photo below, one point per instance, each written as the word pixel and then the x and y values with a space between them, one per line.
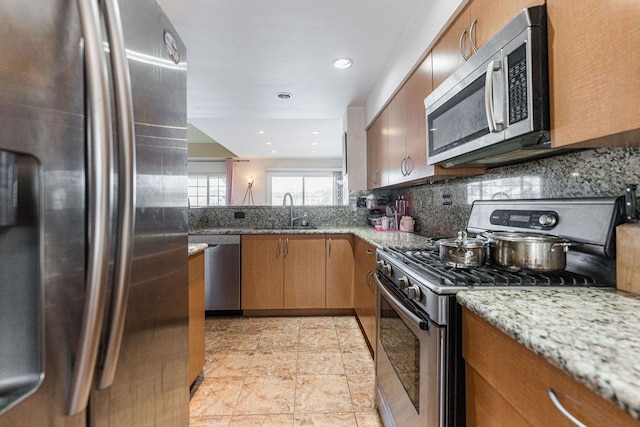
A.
pixel 220 196
pixel 323 172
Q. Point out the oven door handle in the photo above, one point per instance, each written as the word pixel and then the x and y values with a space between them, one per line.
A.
pixel 422 324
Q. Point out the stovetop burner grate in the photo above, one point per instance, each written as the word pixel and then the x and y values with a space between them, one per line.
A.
pixel 427 260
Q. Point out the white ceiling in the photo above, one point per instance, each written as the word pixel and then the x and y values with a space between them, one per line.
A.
pixel 240 53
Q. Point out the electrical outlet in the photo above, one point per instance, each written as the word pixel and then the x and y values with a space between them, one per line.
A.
pixel 238 215
pixel 446 199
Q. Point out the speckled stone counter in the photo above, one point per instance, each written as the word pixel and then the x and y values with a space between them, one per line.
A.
pixel 369 234
pixel 591 334
pixel 195 248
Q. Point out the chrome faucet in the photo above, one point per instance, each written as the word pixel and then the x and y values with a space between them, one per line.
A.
pixel 284 206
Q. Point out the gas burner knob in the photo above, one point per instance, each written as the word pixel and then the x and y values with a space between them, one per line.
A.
pixel 413 292
pixel 548 220
pixel 403 283
pixel 384 267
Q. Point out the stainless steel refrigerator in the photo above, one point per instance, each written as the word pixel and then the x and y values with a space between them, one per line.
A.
pixel 93 232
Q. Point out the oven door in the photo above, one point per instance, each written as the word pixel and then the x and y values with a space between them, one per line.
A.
pixel 410 373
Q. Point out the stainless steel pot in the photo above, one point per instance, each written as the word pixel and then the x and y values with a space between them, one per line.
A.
pixel 463 251
pixel 527 251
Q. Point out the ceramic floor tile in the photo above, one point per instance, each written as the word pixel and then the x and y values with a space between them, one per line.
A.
pixel 274 339
pixel 317 323
pixel 217 323
pixel 349 338
pixel 362 388
pixel 342 419
pixel 274 362
pixel 266 395
pixel 319 339
pixel 277 420
pixel 211 421
pixel 358 360
pixel 216 396
pixel 244 324
pixel 236 341
pixel 282 323
pixel 320 363
pixel 322 393
pixel 345 322
pixel 369 419
pixel 224 364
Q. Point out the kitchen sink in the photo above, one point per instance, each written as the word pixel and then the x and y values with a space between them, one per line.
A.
pixel 289 227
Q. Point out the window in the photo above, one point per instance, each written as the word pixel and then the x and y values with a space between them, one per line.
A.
pixel 525 187
pixel 308 188
pixel 207 190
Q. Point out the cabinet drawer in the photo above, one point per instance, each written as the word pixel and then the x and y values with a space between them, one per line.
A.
pixel 522 378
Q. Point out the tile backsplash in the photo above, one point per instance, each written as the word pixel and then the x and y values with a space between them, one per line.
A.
pixel 587 173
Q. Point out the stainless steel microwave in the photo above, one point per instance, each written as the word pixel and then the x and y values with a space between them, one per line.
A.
pixel 494 109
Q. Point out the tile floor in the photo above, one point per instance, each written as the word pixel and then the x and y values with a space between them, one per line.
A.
pixel 285 371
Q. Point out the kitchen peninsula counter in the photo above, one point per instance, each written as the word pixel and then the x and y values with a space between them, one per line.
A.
pixel 591 334
pixel 196 248
pixel 368 234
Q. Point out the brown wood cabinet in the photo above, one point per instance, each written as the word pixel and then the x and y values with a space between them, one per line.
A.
pixel 339 271
pixel 364 288
pixel 262 272
pixel 283 271
pixel 377 152
pixel 304 271
pixel 446 55
pixel 196 315
pixel 506 384
pixel 594 61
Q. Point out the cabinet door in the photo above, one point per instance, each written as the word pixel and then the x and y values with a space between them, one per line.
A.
pixel 304 271
pixel 446 54
pixel 262 272
pixel 365 258
pixel 418 87
pixel 377 144
pixel 339 255
pixel 594 67
pixel 196 315
pixel 493 15
pixel 397 132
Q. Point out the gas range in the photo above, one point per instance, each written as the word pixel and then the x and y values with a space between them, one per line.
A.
pixel 420 277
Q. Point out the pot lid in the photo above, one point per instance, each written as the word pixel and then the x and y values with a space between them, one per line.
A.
pixel 513 236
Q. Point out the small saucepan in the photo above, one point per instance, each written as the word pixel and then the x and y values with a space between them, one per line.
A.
pixel 527 251
pixel 463 251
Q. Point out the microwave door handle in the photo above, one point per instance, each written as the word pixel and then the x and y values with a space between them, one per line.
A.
pixel 492 67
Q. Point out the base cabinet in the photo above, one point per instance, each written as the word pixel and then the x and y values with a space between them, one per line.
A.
pixel 508 384
pixel 196 315
pixel 283 272
pixel 339 271
pixel 364 288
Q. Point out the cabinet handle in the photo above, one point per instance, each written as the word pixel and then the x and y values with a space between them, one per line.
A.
pixel 471 29
pixel 402 166
pixel 409 165
pixel 329 241
pixel 286 246
pixel 464 55
pixel 375 177
pixel 562 409
pixel 278 251
pixel 370 252
pixel 368 279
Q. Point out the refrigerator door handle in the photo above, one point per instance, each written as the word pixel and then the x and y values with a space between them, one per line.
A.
pixel 126 194
pixel 99 145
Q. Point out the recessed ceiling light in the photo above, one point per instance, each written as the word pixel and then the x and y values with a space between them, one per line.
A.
pixel 283 95
pixel 313 151
pixel 273 151
pixel 268 143
pixel 342 63
pixel 314 143
pixel 260 131
pixel 316 132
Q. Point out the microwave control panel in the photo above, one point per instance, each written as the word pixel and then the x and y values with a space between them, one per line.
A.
pixel 517 78
pixel 531 220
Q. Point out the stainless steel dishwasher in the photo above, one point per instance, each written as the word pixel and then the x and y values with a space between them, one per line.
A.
pixel 221 271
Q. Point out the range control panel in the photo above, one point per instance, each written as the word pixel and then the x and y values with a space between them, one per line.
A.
pixel 530 220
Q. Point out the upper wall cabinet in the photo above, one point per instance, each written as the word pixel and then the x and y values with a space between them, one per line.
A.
pixel 377 152
pixel 594 61
pixel 476 24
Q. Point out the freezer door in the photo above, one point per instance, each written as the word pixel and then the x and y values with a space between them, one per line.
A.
pixel 151 385
pixel 42 123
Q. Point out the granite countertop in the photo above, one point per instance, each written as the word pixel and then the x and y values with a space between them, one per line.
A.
pixel 194 248
pixel 591 334
pixel 369 234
